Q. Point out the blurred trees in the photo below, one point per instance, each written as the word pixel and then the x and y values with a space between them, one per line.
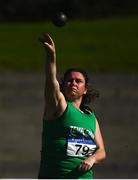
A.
pixel 39 10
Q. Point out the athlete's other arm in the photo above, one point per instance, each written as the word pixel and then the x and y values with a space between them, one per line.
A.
pixel 99 154
pixel 55 103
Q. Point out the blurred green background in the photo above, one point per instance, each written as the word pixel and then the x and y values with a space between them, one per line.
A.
pixel 97 45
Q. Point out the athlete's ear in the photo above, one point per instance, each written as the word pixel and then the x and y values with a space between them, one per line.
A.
pixel 85 90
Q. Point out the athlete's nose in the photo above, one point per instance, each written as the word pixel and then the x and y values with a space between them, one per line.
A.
pixel 74 81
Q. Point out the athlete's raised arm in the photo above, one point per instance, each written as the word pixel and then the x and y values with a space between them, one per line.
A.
pixel 55 103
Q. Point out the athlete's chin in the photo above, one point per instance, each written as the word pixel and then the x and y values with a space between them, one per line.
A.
pixel 72 97
pixel 73 94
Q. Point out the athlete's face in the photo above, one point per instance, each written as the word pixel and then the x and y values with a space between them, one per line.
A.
pixel 74 86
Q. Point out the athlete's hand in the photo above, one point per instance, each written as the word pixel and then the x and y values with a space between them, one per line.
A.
pixel 49 44
pixel 87 164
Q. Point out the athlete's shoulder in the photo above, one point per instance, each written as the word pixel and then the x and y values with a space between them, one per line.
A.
pixel 86 109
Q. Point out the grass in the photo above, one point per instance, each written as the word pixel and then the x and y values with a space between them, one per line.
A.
pixel 96 45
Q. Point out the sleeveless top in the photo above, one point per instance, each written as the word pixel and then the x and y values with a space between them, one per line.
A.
pixel 66 142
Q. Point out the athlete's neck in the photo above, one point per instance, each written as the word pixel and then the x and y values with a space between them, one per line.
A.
pixel 76 104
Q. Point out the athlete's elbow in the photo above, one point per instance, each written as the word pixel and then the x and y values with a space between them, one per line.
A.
pixel 100 155
pixel 103 154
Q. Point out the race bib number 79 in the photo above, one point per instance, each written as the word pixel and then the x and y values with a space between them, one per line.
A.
pixel 80 147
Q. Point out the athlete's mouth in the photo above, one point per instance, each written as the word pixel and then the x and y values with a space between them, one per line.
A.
pixel 74 89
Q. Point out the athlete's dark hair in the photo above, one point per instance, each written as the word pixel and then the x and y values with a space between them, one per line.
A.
pixel 91 93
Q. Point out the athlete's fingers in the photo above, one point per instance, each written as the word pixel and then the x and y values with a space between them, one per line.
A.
pixel 84 166
pixel 48 39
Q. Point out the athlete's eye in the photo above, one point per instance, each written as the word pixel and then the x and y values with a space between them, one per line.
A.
pixel 69 80
pixel 79 81
pixel 76 80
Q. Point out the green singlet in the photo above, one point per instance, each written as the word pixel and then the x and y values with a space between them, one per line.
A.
pixel 66 142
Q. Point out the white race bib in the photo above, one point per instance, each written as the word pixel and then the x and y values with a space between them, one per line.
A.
pixel 80 146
